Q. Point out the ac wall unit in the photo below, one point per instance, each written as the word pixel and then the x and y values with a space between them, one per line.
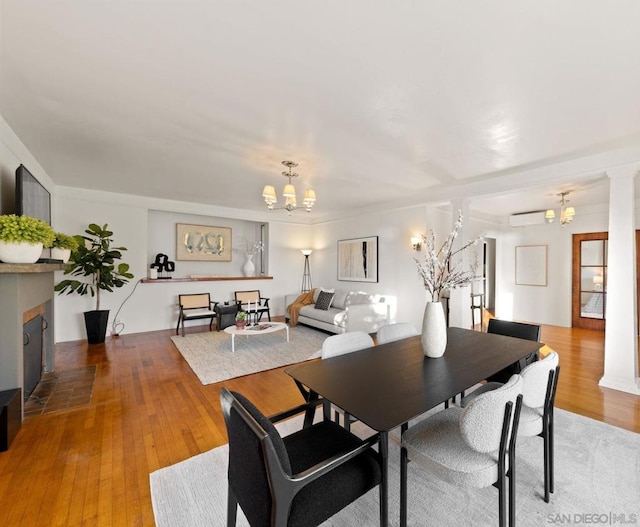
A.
pixel 527 218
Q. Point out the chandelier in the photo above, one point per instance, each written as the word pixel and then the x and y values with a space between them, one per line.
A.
pixel 288 193
pixel 566 213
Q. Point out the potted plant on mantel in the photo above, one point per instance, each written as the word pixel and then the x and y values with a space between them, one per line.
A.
pixel 62 247
pixel 95 258
pixel 22 238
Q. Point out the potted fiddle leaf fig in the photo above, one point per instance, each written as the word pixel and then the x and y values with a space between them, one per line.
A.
pixel 22 238
pixel 95 261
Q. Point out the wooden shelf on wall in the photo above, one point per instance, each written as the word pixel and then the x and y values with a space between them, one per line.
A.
pixel 9 268
pixel 203 279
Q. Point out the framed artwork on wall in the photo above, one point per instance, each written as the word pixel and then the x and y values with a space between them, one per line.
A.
pixel 203 243
pixel 358 260
pixel 531 265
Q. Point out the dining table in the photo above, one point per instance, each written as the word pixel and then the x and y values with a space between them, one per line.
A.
pixel 387 385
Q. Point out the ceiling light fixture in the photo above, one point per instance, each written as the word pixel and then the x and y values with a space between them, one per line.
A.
pixel 288 193
pixel 566 213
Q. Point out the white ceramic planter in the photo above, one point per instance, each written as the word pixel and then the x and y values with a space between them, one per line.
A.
pixel 60 254
pixel 434 330
pixel 20 252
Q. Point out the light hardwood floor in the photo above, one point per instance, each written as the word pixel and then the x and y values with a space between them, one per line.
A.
pixel 90 465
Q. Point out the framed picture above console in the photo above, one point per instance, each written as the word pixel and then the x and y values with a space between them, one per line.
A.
pixel 203 243
pixel 358 259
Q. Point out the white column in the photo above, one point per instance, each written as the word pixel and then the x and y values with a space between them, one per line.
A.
pixel 621 343
pixel 460 301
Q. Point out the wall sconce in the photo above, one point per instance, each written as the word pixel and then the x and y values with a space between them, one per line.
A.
pixel 598 281
pixel 416 243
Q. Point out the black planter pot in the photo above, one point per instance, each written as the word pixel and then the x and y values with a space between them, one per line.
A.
pixel 96 324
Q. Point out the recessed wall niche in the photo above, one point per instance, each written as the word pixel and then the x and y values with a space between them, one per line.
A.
pixel 162 239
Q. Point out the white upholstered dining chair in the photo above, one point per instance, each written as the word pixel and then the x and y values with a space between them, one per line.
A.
pixel 468 447
pixel 398 331
pixel 536 419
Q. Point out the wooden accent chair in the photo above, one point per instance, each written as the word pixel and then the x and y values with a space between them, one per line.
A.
pixel 259 304
pixel 301 479
pixel 195 306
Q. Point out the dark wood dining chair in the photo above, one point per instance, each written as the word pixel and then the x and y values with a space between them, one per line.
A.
pixel 518 330
pixel 298 480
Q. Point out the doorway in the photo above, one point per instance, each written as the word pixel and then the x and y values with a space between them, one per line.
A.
pixel 589 279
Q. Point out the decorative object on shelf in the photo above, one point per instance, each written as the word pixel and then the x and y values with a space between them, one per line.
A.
pixel 63 246
pixel 358 260
pixel 249 269
pixel 162 266
pixel 249 251
pixel 203 243
pixel 96 259
pixel 288 193
pixel 439 274
pixel 306 275
pixel 22 238
pixel 416 243
pixel 566 213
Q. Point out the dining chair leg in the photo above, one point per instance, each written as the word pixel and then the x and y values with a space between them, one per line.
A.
pixel 551 453
pixel 502 501
pixel 512 491
pixel 403 487
pixel 545 451
pixel 232 508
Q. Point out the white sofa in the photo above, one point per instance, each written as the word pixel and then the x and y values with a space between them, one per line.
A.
pixel 349 311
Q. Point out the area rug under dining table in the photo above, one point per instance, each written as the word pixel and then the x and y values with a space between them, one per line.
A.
pixel 596 471
pixel 211 359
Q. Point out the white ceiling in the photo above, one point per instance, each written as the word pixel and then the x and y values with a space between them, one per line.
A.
pixel 378 101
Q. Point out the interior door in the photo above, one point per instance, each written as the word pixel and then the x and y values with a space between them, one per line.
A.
pixel 589 281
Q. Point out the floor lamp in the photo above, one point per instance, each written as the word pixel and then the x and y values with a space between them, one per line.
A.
pixel 306 276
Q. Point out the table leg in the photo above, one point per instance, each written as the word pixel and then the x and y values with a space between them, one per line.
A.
pixel 233 343
pixel 384 484
pixel 287 328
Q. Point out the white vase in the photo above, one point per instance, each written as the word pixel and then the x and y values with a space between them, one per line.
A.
pixel 60 254
pixel 20 252
pixel 434 330
pixel 248 269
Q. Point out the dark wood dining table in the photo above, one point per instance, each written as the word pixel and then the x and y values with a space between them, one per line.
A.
pixel 386 386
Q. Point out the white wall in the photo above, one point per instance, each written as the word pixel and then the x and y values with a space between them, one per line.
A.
pixel 147 226
pixel 550 304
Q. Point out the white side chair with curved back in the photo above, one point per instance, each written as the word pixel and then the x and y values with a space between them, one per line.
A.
pixel 536 419
pixel 345 343
pixel 342 344
pixel 398 331
pixel 469 447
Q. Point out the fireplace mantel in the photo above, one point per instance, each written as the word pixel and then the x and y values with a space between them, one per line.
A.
pixel 24 287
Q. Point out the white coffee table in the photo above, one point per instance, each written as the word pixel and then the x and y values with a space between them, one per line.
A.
pixel 252 331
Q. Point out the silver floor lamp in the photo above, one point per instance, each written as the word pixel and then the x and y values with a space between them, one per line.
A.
pixel 306 276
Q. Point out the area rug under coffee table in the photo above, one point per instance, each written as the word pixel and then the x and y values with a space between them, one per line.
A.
pixel 210 357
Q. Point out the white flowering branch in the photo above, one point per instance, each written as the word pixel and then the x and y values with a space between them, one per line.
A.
pixel 250 249
pixel 437 270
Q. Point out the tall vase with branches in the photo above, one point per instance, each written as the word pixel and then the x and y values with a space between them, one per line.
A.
pixel 440 272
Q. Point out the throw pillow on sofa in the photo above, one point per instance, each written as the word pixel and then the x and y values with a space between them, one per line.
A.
pixel 324 300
